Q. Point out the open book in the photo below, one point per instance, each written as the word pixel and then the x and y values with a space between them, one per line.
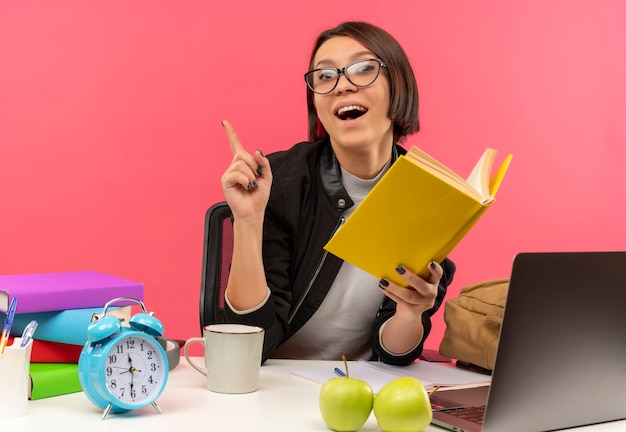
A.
pixel 418 212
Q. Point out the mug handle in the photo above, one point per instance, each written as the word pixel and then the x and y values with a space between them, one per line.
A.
pixel 189 342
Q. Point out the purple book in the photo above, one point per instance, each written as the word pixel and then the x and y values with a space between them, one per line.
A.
pixel 46 292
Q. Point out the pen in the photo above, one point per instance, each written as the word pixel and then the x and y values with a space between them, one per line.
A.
pixel 7 325
pixel 433 390
pixel 28 333
pixel 339 372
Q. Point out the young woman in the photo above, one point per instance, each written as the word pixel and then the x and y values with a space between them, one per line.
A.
pixel 362 101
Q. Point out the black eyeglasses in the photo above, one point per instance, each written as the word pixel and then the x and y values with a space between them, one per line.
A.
pixel 360 73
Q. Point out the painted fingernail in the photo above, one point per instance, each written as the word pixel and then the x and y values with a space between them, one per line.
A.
pixel 259 171
pixel 255 184
pixel 260 152
pixel 384 283
pixel 222 122
pixel 432 264
pixel 401 270
pixel 249 186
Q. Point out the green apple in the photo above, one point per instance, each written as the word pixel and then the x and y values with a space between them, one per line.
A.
pixel 403 405
pixel 345 403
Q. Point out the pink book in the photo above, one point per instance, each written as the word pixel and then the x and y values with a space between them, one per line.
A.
pixel 45 292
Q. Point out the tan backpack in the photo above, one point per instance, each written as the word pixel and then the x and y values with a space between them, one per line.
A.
pixel 473 322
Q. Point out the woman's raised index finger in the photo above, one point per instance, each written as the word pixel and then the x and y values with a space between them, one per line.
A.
pixel 233 139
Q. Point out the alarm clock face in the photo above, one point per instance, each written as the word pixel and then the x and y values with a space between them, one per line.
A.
pixel 135 370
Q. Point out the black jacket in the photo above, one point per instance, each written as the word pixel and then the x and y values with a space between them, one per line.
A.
pixel 305 207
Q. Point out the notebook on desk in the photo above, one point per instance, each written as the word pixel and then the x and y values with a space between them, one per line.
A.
pixel 377 374
pixel 561 360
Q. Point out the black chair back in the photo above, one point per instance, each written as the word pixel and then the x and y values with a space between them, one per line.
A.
pixel 217 256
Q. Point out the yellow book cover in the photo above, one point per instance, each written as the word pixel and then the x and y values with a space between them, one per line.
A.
pixel 418 212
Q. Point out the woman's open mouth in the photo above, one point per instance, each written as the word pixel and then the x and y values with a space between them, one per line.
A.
pixel 350 112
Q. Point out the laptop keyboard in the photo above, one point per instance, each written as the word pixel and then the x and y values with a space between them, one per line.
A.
pixel 473 414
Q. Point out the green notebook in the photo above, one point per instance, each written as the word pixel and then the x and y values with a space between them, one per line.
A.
pixel 53 379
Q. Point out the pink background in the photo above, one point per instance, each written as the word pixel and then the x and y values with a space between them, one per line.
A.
pixel 111 147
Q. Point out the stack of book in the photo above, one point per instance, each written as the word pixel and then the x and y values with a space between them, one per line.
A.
pixel 63 305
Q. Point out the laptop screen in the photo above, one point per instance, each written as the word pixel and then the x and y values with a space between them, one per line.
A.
pixel 561 359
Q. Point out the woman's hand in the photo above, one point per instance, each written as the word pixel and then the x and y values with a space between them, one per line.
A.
pixel 420 296
pixel 247 181
pixel 246 184
pixel 404 331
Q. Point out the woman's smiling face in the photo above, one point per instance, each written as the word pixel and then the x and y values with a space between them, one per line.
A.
pixel 354 117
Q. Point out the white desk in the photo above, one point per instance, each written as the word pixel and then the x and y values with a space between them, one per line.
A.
pixel 283 403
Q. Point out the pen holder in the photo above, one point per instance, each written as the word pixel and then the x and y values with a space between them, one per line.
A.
pixel 14 379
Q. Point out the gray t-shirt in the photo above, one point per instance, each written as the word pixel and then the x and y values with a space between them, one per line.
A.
pixel 344 322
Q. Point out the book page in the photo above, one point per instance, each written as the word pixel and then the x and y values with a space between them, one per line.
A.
pixel 4 301
pixel 479 177
pixel 446 174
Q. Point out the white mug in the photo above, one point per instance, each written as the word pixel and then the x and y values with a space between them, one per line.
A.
pixel 232 357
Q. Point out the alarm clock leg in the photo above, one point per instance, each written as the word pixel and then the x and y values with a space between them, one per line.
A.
pixel 107 411
pixel 156 407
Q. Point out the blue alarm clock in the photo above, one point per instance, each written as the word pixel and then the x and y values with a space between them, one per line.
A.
pixel 120 368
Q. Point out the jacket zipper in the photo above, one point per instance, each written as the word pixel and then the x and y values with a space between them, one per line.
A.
pixel 315 274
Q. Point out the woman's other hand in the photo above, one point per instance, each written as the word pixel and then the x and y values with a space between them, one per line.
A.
pixel 404 331
pixel 419 296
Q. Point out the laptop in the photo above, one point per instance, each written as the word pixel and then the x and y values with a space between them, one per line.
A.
pixel 561 359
